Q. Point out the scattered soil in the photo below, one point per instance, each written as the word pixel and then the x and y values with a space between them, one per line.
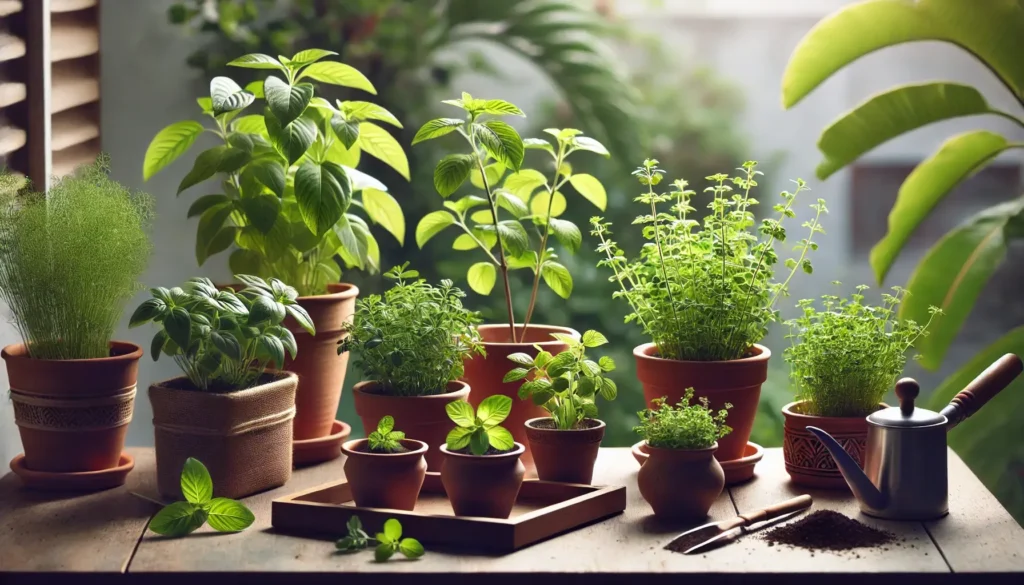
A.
pixel 828 530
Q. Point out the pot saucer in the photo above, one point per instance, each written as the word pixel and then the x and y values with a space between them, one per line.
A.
pixel 321 449
pixel 83 481
pixel 736 470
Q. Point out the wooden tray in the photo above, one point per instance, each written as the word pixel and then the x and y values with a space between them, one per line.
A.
pixel 542 510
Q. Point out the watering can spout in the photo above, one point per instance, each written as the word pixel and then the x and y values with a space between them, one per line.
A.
pixel 859 483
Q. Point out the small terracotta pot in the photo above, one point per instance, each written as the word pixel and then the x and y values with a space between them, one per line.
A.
pixel 484 374
pixel 482 485
pixel 385 480
pixel 73 414
pixel 681 484
pixel 737 382
pixel 423 418
pixel 567 456
pixel 808 463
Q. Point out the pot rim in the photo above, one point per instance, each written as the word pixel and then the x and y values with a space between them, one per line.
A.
pixel 459 385
pixel 645 351
pixel 519 326
pixel 788 411
pixel 348 448
pixel 697 453
pixel 280 375
pixel 336 291
pixel 514 453
pixel 19 351
pixel 542 430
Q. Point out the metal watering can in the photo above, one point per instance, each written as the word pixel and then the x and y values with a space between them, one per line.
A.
pixel 904 475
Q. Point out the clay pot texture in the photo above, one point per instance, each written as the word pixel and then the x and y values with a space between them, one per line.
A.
pixel 566 456
pixel 808 463
pixel 681 484
pixel 483 485
pixel 422 418
pixel 484 374
pixel 73 414
pixel 385 480
pixel 737 382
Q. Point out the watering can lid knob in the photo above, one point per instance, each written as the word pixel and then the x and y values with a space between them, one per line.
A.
pixel 907 415
pixel 907 390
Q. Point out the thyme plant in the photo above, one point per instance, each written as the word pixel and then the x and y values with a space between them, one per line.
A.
pixel 846 356
pixel 385 439
pixel 683 426
pixel 706 292
pixel 70 261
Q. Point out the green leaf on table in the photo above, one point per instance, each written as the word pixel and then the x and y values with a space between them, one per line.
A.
pixel 557 277
pixel 286 102
pixel 384 210
pixel 177 519
pixel 225 515
pixel 168 145
pixel 380 144
pixel 392 530
pixel 502 142
pixel 451 172
pixel 411 548
pixel 336 73
pixel 323 193
pixel 437 128
pixel 432 224
pixel 383 552
pixel 591 189
pixel 481 277
pixel 227 96
pixel 567 233
pixel 257 61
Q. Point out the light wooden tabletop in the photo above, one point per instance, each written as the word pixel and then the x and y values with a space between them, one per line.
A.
pixel 105 532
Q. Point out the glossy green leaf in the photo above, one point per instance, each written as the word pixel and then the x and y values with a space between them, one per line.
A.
pixel 168 145
pixel 177 519
pixel 270 173
pixel 383 552
pixel 494 409
pixel 338 74
pixel 178 326
pixel 204 167
pixel 256 61
pixel 482 216
pixel 437 128
pixel 228 96
pixel 147 311
pixel 539 204
pixel 481 277
pixel 196 483
pixel 199 206
pixel 346 130
pixel 593 339
pixel 292 140
pixel 513 237
pixel 380 144
pixel 566 233
pixel 461 413
pixel 323 193
pixel 451 172
pixel 210 224
pixel 255 88
pixel 557 277
pixel 286 102
pixel 524 183
pixel 225 515
pixel 432 224
pixel 509 202
pixel 252 124
pixel 591 189
pixel 392 530
pixel 411 548
pixel 384 210
pixel 502 142
pixel 587 143
pixel 479 441
pixel 500 108
pixel 500 438
pixel 364 111
pixel 310 56
pixel 261 211
pixel 493 173
pixel 538 144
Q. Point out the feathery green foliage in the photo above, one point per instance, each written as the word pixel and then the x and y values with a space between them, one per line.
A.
pixel 70 260
pixel 684 426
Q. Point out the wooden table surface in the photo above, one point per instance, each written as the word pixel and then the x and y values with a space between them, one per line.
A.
pixel 105 532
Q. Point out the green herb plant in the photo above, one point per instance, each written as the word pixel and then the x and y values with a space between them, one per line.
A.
pixel 846 356
pixel 222 340
pixel 478 433
pixel 706 294
pixel 566 384
pixel 388 542
pixel 413 339
pixel 71 259
pixel 494 166
pixel 289 193
pixel 683 426
pixel 200 507
pixel 386 439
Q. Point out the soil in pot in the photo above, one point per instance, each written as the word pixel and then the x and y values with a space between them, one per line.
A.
pixel 564 455
pixel 808 463
pixel 681 484
pixel 483 485
pixel 385 480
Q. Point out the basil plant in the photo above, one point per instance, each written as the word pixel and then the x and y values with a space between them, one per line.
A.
pixel 290 184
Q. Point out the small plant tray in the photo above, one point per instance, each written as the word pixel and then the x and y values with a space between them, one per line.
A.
pixel 543 509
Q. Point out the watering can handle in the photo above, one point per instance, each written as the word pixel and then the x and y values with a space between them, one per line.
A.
pixel 983 388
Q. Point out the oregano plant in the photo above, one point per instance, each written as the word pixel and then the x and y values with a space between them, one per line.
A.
pixel 389 541
pixel 200 507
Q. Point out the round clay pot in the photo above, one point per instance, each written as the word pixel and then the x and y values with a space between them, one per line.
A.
pixel 737 382
pixel 567 456
pixel 482 485
pixel 73 414
pixel 681 484
pixel 423 418
pixel 385 480
pixel 808 463
pixel 484 374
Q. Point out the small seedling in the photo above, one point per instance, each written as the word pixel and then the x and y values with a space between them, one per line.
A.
pixel 388 542
pixel 480 430
pixel 385 439
pixel 200 507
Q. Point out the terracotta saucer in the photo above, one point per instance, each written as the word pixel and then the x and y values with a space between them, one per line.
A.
pixel 83 481
pixel 736 470
pixel 321 449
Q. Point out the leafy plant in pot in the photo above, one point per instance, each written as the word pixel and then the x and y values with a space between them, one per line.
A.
pixel 682 478
pixel 565 445
pixel 843 359
pixel 704 291
pixel 385 470
pixel 69 262
pixel 411 343
pixel 228 410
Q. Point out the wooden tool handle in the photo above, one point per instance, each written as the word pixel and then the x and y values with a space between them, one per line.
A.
pixel 776 510
pixel 983 388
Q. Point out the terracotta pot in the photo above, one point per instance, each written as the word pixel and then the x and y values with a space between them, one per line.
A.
pixel 385 480
pixel 681 484
pixel 737 382
pixel 484 374
pixel 73 414
pixel 807 461
pixel 482 485
pixel 244 438
pixel 420 417
pixel 567 456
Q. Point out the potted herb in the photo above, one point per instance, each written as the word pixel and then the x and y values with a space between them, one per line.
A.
pixel 493 226
pixel 385 470
pixel 565 444
pixel 69 262
pixel 682 478
pixel 705 291
pixel 843 359
pixel 481 472
pixel 410 343
pixel 228 410
pixel 287 204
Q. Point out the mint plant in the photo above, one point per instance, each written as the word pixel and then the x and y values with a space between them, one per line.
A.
pixel 200 507
pixel 565 385
pixel 494 166
pixel 479 433
pixel 706 292
pixel 388 542
pixel 290 185
pixel 683 426
pixel 386 439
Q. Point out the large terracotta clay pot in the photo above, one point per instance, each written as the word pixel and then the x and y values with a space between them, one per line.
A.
pixel 737 382
pixel 482 485
pixel 73 414
pixel 423 418
pixel 564 455
pixel 484 374
pixel 681 484
pixel 385 480
pixel 808 463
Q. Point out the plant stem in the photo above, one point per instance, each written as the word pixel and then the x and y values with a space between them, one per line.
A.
pixel 657 240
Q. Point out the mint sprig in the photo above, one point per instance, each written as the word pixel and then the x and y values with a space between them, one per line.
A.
pixel 200 507
pixel 388 542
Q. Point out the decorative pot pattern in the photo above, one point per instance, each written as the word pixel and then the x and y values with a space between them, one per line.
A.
pixel 385 480
pixel 566 456
pixel 483 485
pixel 681 484
pixel 807 461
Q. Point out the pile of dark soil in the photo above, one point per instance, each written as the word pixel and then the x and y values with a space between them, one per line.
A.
pixel 828 530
